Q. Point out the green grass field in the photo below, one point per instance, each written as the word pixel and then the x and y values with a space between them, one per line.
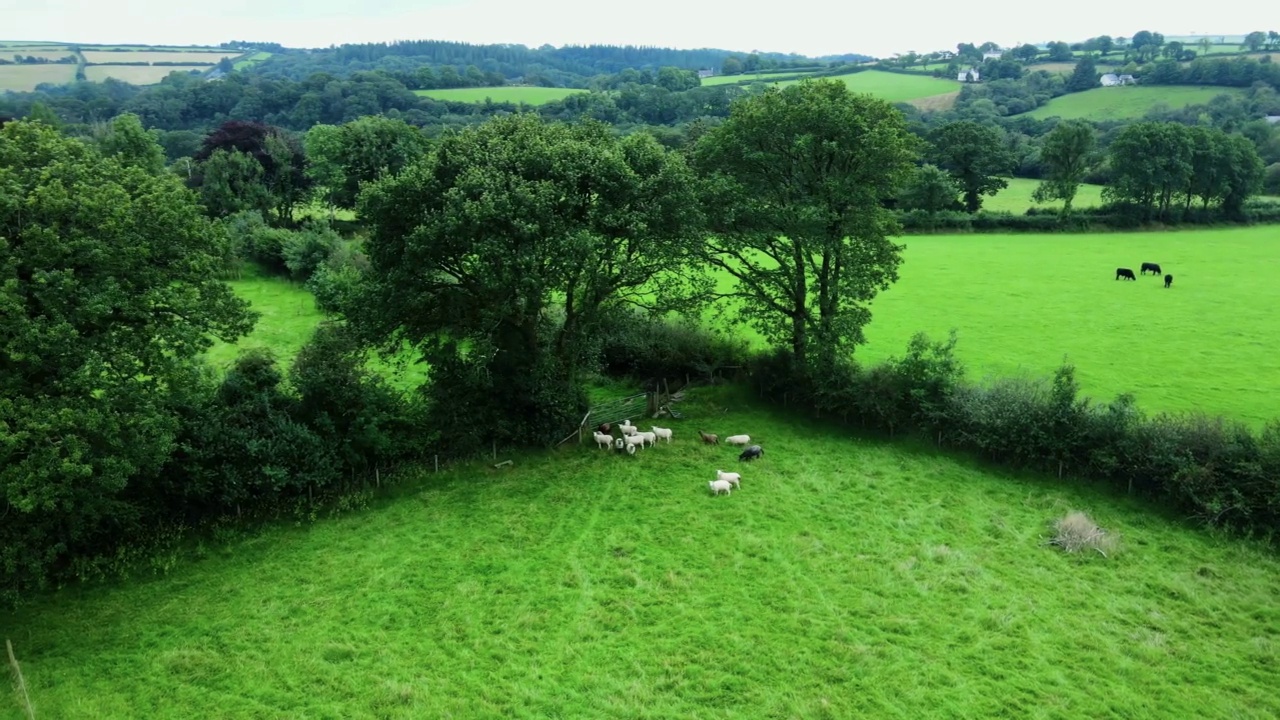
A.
pixel 24 78
pixel 1017 197
pixel 894 87
pixel 1020 302
pixel 511 94
pixel 252 60
pixel 844 579
pixel 1126 103
pixel 289 317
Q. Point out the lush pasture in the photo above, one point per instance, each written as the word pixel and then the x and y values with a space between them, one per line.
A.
pixel 511 94
pixel 137 74
pixel 1022 302
pixel 289 317
pixel 1128 102
pixel 894 87
pixel 101 56
pixel 51 54
pixel 1017 197
pixel 945 101
pixel 844 579
pixel 24 78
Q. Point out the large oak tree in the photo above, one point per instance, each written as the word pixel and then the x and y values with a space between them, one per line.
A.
pixel 519 238
pixel 796 179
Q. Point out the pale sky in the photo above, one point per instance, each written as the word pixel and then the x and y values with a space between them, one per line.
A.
pixel 808 27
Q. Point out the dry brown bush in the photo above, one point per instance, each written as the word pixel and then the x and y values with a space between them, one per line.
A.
pixel 1077 532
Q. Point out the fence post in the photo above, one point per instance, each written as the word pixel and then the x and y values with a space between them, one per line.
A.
pixel 437 463
pixel 22 684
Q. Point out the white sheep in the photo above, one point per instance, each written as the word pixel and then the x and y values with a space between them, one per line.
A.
pixel 603 440
pixel 626 424
pixel 629 429
pixel 738 440
pixel 718 485
pixel 735 478
pixel 649 437
pixel 661 432
pixel 635 440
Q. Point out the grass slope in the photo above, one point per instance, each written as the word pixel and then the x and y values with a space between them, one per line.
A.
pixel 511 94
pixel 1020 302
pixel 845 579
pixel 750 77
pixel 104 56
pixel 1127 103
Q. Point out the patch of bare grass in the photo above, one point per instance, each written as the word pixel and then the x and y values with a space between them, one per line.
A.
pixel 1076 532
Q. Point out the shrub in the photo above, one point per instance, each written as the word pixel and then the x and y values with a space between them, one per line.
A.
pixel 635 345
pixel 1077 532
pixel 304 251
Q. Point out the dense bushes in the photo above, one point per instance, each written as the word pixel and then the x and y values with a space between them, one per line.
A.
pixel 634 346
pixel 1218 470
pixel 1041 220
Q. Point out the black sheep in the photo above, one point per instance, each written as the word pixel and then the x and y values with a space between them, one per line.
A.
pixel 751 453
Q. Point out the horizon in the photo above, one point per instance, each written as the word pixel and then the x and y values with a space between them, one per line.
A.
pixel 561 23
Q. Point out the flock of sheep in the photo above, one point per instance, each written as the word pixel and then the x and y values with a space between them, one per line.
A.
pixel 633 438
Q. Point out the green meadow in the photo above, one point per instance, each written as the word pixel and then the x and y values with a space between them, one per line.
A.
pixel 509 93
pixel 843 579
pixel 894 87
pixel 25 78
pixel 1017 197
pixel 749 77
pixel 1128 102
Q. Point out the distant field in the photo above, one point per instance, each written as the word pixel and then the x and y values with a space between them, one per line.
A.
pixel 46 53
pixel 945 101
pixel 1017 197
pixel 135 74
pixel 253 59
pixel 24 78
pixel 98 56
pixel 748 77
pixel 1123 103
pixel 894 87
pixel 512 94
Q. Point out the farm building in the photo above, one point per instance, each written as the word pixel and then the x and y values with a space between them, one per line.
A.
pixel 1111 79
pixel 993 55
pixel 706 73
pixel 970 75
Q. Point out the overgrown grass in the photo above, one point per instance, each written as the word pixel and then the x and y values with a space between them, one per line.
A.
pixel 844 579
pixel 1017 197
pixel 1129 102
pixel 512 94
pixel 750 76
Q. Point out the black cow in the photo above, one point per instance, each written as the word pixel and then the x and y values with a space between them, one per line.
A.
pixel 1153 267
pixel 1168 280
pixel 751 453
pixel 1124 273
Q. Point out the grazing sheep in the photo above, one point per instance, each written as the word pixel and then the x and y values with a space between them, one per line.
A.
pixel 626 424
pixel 734 478
pixel 718 485
pixel 628 430
pixel 661 432
pixel 751 453
pixel 738 439
pixel 620 443
pixel 635 440
pixel 709 438
pixel 603 440
pixel 649 437
pixel 605 428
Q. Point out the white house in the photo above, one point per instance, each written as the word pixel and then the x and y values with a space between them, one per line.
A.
pixel 1111 79
pixel 706 73
pixel 970 75
pixel 993 55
